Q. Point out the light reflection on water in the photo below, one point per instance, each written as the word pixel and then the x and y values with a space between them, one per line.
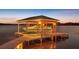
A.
pixel 7 34
pixel 44 45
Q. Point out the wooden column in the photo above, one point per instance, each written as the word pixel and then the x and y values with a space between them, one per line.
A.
pixel 55 42
pixel 41 28
pixel 41 33
pixel 18 27
pixel 53 34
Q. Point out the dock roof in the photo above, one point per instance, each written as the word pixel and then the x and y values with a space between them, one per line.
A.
pixel 39 17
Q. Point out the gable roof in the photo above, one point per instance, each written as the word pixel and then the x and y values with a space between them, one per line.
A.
pixel 38 17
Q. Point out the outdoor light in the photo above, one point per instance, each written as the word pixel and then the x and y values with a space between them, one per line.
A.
pixel 39 22
pixel 54 23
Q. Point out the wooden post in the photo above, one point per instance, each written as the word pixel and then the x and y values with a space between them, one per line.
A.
pixel 41 29
pixel 18 27
pixel 28 43
pixel 53 34
pixel 52 30
pixel 55 43
pixel 41 33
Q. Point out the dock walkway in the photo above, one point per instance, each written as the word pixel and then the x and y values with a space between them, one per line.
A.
pixel 27 37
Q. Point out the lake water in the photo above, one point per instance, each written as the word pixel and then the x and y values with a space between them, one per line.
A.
pixel 7 34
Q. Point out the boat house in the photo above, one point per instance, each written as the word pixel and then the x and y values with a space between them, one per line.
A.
pixel 37 27
pixel 40 24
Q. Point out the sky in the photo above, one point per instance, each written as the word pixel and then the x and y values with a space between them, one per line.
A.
pixel 63 15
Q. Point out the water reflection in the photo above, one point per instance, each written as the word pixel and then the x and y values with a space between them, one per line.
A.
pixel 53 45
pixel 46 44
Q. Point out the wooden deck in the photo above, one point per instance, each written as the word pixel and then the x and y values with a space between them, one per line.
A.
pixel 33 37
pixel 28 37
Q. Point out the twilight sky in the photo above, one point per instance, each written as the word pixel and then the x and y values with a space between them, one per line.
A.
pixel 64 15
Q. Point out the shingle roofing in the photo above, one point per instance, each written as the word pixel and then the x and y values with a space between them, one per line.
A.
pixel 38 17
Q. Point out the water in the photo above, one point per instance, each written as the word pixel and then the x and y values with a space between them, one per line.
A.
pixel 7 34
pixel 73 41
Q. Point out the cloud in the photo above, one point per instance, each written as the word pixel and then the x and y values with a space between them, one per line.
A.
pixel 71 19
pixel 8 20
